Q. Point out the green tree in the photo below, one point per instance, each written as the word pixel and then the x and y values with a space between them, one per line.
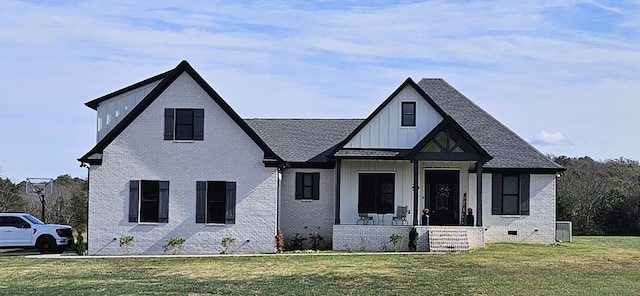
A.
pixel 600 197
pixel 67 204
pixel 10 198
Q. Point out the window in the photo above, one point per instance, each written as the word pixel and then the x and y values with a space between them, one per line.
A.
pixel 184 124
pixel 216 202
pixel 11 221
pixel 149 201
pixel 510 194
pixel 376 193
pixel 408 113
pixel 308 186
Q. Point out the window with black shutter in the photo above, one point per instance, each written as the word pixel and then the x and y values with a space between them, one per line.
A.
pixel 510 194
pixel 308 186
pixel 149 201
pixel 215 202
pixel 184 124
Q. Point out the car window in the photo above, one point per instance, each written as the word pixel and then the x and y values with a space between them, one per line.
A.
pixel 12 221
pixel 16 222
pixel 33 219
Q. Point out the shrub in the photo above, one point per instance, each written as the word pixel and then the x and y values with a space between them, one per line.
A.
pixel 396 240
pixel 297 243
pixel 227 243
pixel 80 247
pixel 126 241
pixel 316 241
pixel 175 244
pixel 413 239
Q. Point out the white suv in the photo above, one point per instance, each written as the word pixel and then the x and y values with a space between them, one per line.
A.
pixel 23 230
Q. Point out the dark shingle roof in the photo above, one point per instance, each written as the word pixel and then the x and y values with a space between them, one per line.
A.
pixel 506 147
pixel 303 140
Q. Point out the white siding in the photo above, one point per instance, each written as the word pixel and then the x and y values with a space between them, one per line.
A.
pixel 385 130
pixel 111 111
pixel 226 154
pixel 349 186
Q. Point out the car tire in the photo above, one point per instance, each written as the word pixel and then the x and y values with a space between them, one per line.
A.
pixel 60 249
pixel 46 245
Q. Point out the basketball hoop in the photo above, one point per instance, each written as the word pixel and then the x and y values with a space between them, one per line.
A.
pixel 40 187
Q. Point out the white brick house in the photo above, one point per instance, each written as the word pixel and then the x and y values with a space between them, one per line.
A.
pixel 173 159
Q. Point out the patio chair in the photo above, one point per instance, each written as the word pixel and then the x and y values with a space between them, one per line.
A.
pixel 365 218
pixel 401 215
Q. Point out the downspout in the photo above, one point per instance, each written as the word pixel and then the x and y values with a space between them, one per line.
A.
pixel 479 193
pixel 337 195
pixel 278 197
pixel 416 187
pixel 84 165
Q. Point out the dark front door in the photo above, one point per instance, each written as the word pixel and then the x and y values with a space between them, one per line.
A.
pixel 442 196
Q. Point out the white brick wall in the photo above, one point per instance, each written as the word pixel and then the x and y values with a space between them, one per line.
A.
pixel 228 154
pixel 376 238
pixel 537 227
pixel 307 217
pixel 141 153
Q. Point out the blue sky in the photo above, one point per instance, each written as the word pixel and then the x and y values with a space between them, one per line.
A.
pixel 562 74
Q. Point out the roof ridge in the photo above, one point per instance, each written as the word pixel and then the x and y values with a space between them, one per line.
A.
pixel 268 118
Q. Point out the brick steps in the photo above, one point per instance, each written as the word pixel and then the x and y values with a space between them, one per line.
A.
pixel 448 240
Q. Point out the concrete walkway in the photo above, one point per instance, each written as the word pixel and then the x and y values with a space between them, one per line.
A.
pixel 326 253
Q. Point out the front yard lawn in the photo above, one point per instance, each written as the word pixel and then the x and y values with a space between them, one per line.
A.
pixel 587 266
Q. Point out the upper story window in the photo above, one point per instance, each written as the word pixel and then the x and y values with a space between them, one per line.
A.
pixel 183 124
pixel 308 186
pixel 408 113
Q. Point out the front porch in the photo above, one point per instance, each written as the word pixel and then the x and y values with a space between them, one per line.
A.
pixel 376 238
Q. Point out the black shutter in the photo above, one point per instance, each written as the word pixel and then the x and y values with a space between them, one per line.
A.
pixel 163 201
pixel 316 186
pixel 230 203
pixel 299 177
pixel 168 124
pixel 201 201
pixel 496 194
pixel 134 195
pixel 198 124
pixel 525 181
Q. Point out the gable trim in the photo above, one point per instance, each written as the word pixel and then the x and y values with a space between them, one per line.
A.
pixel 167 79
pixel 408 82
pixel 478 152
pixel 93 104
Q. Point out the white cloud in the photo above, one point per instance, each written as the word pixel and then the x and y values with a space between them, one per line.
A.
pixel 519 62
pixel 547 138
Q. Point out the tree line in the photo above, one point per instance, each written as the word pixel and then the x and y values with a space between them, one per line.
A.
pixel 599 197
pixel 67 205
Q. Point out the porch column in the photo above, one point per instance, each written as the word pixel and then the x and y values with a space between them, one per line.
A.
pixel 337 195
pixel 416 190
pixel 479 192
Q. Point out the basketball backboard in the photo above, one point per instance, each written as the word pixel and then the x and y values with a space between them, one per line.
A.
pixel 39 186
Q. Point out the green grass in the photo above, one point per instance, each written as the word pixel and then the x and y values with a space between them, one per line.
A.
pixel 587 266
